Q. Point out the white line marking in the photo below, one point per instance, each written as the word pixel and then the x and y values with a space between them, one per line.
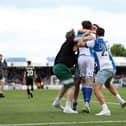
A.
pixel 64 123
pixel 113 103
pixel 94 101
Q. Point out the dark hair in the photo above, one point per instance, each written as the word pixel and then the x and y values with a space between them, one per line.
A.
pixel 86 24
pixel 100 31
pixel 70 34
pixel 29 62
pixel 96 25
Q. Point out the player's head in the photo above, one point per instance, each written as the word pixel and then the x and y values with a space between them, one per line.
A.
pixel 94 27
pixel 100 32
pixel 29 62
pixel 86 24
pixel 70 35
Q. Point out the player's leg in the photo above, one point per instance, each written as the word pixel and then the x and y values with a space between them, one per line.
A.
pixel 28 87
pixel 88 83
pixel 87 89
pixel 68 83
pixel 114 91
pixel 99 95
pixel 69 96
pixel 57 101
pixel 65 75
pixel 59 70
pixel 31 87
pixel 77 81
pixel 82 68
pixel 101 78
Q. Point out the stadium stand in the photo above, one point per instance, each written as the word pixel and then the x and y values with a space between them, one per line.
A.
pixel 16 67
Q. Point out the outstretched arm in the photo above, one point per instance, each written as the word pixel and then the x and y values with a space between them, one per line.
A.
pixel 84 31
pixel 81 42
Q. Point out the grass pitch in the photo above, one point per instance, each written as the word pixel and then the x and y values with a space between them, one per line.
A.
pixel 16 109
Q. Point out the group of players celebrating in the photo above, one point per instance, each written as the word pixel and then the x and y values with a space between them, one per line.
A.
pixel 87 54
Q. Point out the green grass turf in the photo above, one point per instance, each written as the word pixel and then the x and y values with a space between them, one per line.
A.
pixel 16 108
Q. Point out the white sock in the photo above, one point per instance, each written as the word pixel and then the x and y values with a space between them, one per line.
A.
pixel 105 107
pixel 68 104
pixel 119 98
pixel 58 99
pixel 86 103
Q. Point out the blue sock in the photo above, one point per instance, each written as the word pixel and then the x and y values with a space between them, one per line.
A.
pixel 87 92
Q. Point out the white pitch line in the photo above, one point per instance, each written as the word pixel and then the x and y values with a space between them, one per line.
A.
pixel 65 123
pixel 113 103
pixel 93 101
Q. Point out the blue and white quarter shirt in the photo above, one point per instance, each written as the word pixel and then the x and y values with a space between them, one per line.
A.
pixel 102 55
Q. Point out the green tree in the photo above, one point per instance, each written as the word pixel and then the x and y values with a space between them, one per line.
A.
pixel 118 50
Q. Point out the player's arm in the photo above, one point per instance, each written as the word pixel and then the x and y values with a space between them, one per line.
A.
pixel 75 48
pixel 77 39
pixel 82 41
pixel 84 31
pixel 81 33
